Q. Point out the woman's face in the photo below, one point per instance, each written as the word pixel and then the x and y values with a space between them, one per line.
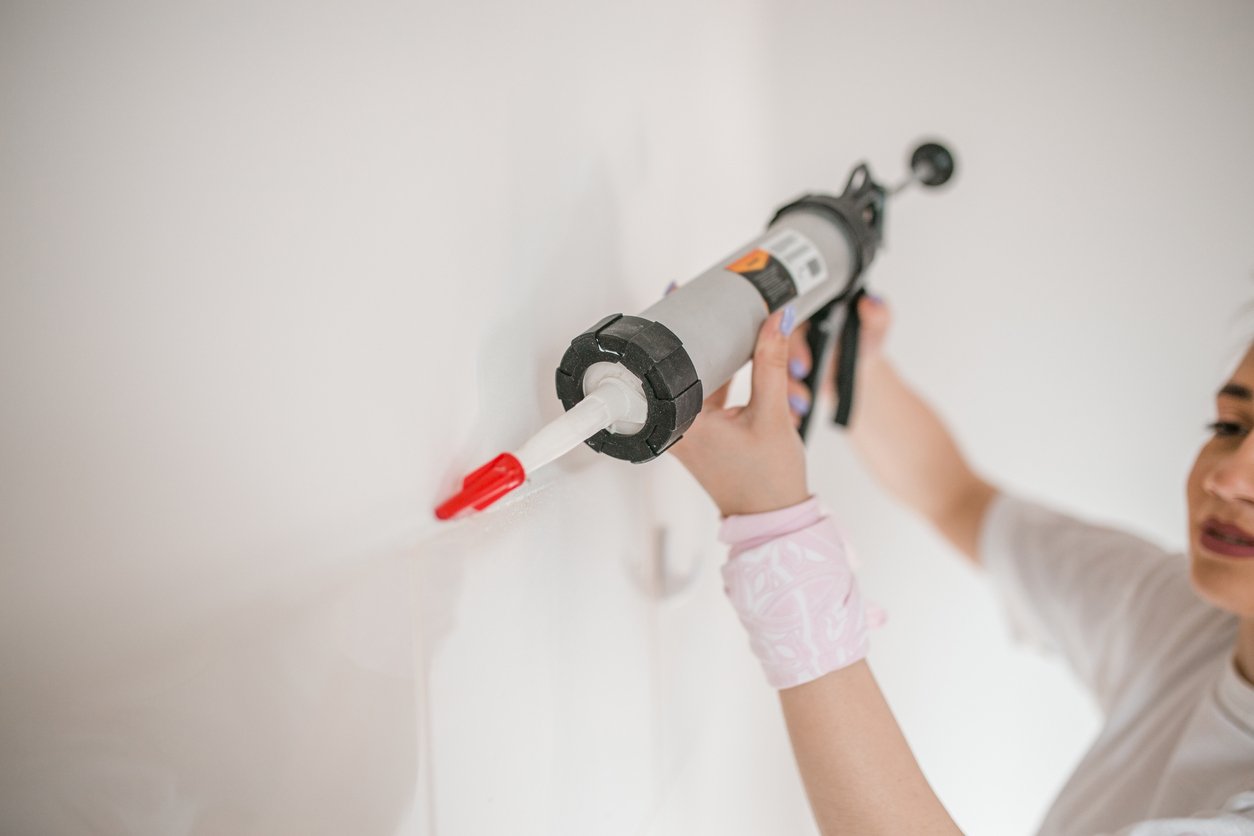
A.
pixel 1221 500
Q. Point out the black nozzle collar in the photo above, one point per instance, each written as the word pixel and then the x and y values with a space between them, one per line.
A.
pixel 654 354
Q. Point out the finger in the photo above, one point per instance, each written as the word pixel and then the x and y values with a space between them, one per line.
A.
pixel 769 398
pixel 799 401
pixel 876 317
pixel 799 358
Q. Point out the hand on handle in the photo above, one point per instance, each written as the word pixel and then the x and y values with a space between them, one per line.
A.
pixel 749 458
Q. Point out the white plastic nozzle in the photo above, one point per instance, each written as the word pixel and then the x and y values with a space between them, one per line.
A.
pixel 613 402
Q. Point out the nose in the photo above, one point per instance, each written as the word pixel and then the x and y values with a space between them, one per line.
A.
pixel 1232 478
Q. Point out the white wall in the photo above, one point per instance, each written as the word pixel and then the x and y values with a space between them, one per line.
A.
pixel 273 276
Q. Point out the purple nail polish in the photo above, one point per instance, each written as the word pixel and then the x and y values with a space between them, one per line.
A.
pixel 670 288
pixel 799 405
pixel 789 320
pixel 875 298
pixel 797 369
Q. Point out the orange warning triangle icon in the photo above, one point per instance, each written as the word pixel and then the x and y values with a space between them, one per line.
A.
pixel 751 262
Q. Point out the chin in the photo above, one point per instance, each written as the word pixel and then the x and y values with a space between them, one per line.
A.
pixel 1223 582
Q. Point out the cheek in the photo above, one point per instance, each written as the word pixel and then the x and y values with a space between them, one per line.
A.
pixel 1195 490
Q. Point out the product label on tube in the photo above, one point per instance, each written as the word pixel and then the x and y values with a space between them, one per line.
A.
pixel 800 257
pixel 783 267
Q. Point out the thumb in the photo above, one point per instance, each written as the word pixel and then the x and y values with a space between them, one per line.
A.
pixel 770 365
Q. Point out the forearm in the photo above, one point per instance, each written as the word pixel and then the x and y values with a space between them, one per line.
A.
pixel 789 580
pixel 859 773
pixel 908 449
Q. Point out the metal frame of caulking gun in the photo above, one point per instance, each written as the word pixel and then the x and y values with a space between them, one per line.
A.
pixel 861 208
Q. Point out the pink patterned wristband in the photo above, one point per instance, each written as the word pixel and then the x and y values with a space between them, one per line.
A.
pixel 789 579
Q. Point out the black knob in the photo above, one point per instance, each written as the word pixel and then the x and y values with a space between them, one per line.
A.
pixel 932 164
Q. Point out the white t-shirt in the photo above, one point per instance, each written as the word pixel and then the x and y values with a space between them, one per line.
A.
pixel 1176 754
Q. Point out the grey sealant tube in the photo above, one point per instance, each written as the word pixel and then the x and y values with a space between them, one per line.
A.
pixel 718 314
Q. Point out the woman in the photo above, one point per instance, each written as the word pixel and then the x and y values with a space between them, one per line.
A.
pixel 1165 643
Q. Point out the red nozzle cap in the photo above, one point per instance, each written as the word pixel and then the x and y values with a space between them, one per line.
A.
pixel 483 487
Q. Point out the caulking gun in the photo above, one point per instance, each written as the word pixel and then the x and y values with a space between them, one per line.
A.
pixel 632 385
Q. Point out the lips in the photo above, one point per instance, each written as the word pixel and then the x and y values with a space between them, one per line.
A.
pixel 1227 540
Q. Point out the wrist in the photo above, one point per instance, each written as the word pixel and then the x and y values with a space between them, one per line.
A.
pixel 763 503
pixel 790 582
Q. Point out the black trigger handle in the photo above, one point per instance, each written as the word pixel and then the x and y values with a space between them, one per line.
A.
pixel 847 362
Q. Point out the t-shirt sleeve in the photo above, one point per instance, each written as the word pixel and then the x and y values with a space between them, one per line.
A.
pixel 1093 594
pixel 1235 819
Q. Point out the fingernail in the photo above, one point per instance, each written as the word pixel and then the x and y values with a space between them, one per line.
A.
pixel 877 300
pixel 799 405
pixel 789 320
pixel 670 288
pixel 797 369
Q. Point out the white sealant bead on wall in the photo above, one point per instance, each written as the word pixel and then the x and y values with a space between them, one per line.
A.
pixel 613 403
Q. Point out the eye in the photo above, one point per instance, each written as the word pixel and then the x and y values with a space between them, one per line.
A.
pixel 1226 429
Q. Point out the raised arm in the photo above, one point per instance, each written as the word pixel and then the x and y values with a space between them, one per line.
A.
pixel 907 448
pixel 785 582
